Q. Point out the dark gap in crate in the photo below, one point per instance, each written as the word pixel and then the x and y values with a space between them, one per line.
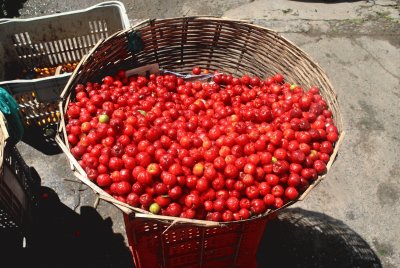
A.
pixel 38 138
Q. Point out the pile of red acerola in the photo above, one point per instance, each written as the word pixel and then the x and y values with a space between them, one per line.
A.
pixel 221 150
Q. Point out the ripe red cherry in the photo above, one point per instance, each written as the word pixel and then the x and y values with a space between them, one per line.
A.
pixel 278 78
pixel 125 175
pixel 231 171
pixel 123 188
pixel 278 202
pixel 293 180
pixel 143 159
pixel 144 178
pixel 219 204
pixel 244 213
pixel 291 193
pixel 102 169
pixel 115 163
pixel 218 183
pixel 303 137
pixel 250 168
pixel 245 203
pixel 174 209
pixel 324 157
pixel 269 200
pixel 252 192
pixel 258 206
pixel 305 102
pixel 276 137
pixel 191 181
pixel 175 192
pixel 168 178
pixel 227 215
pixel 188 161
pixel 224 194
pixel 196 70
pixel 210 173
pixel 319 166
pixel 280 167
pixel 280 154
pixel 162 201
pixel 297 157
pixel 133 199
pixel 216 216
pixel 277 191
pixel 264 188
pixel 208 205
pixel 332 137
pixel 265 158
pixel 326 147
pixel 137 188
pixel 202 185
pixel 166 161
pixel 309 174
pixel 175 169
pixel 239 186
pixel 272 179
pixel 245 80
pixel 72 139
pixel 104 180
pixel 154 169
pixel 108 80
pixel 192 201
pixel 116 176
pixel 248 180
pixel 232 204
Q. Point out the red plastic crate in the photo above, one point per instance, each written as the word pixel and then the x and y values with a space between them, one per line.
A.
pixel 186 245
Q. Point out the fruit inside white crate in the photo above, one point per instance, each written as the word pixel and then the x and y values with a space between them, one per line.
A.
pixel 52 40
pixel 37 55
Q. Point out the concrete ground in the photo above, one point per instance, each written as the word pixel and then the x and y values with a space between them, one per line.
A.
pixel 357 43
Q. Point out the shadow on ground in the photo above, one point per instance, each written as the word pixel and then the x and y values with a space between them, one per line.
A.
pixel 63 238
pixel 42 139
pixel 301 238
pixel 297 238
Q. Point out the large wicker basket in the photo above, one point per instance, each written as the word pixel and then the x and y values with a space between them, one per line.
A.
pixel 177 45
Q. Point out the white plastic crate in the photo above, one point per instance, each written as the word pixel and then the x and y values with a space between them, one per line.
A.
pixel 50 41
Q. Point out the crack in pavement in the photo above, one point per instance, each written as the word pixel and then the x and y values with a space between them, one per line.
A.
pixel 375 59
pixel 78 193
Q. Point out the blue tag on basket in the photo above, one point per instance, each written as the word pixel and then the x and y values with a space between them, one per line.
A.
pixel 135 43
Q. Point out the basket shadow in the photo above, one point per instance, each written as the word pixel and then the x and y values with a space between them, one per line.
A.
pixel 36 137
pixel 301 238
pixel 63 238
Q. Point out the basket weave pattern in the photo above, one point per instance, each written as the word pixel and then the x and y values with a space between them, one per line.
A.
pixel 235 47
